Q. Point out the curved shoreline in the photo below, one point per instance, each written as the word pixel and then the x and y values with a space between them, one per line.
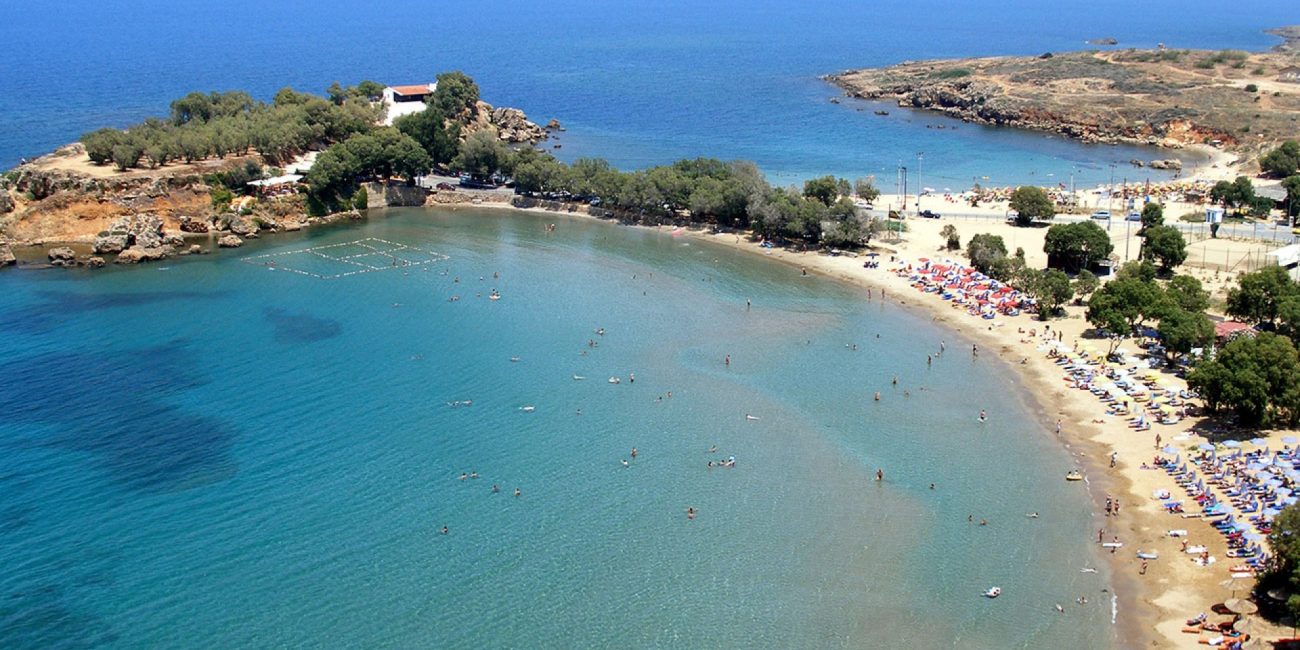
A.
pixel 1140 614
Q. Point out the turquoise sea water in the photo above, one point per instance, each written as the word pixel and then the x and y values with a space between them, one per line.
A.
pixel 637 83
pixel 212 453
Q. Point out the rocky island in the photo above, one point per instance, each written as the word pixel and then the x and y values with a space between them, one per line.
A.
pixel 1239 101
pixel 223 167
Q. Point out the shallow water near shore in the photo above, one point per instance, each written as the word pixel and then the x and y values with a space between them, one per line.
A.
pixel 217 453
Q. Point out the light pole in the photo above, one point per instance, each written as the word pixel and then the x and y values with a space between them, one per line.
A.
pixel 920 188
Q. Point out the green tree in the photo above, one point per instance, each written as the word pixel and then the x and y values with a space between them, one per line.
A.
pixel 1283 161
pixel 1051 288
pixel 985 250
pixel 1284 542
pixel 1123 304
pixel 865 189
pixel 951 240
pixel 1186 293
pixel 1153 214
pixel 824 189
pixel 369 89
pixel 1084 284
pixel 455 95
pixel 1165 245
pixel 337 94
pixel 1182 330
pixel 1238 193
pixel 481 154
pixel 1257 377
pixel 99 144
pixel 1258 296
pixel 1031 203
pixel 1292 186
pixel 1076 246
pixel 430 128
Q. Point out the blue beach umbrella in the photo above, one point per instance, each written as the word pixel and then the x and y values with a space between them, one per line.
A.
pixel 1290 440
pixel 1169 449
pixel 1205 446
pixel 1256 465
pixel 1258 442
pixel 1232 444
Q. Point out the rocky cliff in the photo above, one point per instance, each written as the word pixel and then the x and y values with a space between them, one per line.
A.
pixel 1162 97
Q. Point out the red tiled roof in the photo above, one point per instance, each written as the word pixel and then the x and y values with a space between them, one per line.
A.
pixel 1228 328
pixel 420 89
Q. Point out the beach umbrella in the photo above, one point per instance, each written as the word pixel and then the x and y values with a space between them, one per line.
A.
pixel 1240 606
pixel 1256 465
pixel 1232 444
pixel 1248 626
pixel 1169 449
pixel 1258 442
pixel 1205 446
pixel 1289 440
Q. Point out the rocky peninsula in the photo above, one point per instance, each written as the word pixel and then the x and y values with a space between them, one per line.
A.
pixel 65 210
pixel 1239 101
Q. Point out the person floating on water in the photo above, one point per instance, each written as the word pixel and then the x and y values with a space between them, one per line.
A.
pixel 444 530
pixel 624 461
pixel 690 512
pixel 983 416
pixel 518 492
pixel 495 488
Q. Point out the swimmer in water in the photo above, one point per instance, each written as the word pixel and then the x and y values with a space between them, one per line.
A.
pixel 880 474
pixel 877 396
pixel 495 488
pixel 517 492
pixel 983 416
pixel 624 461
pixel 444 530
pixel 713 449
pixel 634 452
pixel 690 512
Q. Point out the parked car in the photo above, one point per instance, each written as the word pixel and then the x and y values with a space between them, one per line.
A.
pixel 1101 215
pixel 447 186
pixel 929 215
pixel 1133 216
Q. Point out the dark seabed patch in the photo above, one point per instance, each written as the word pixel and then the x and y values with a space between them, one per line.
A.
pixel 57 307
pixel 292 327
pixel 41 617
pixel 113 405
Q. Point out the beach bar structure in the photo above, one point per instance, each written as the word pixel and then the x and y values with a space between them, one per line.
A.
pixel 276 185
pixel 406 100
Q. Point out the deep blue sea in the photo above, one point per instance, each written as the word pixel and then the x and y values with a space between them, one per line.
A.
pixel 637 83
pixel 219 452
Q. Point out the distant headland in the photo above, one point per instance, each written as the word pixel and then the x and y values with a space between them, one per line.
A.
pixel 1235 100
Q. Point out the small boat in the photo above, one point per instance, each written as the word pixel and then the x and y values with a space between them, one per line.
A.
pixel 495 296
pixel 751 417
pixel 993 592
pixel 514 359
pixel 615 380
pixel 528 409
pixel 1074 475
pixel 578 378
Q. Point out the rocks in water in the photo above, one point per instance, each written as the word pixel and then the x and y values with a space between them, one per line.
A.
pixel 513 126
pixel 1172 163
pixel 137 254
pixel 107 243
pixel 95 262
pixel 62 256
pixel 136 230
pixel 195 249
pixel 192 225
pixel 175 241
pixel 1137 163
pixel 230 241
pixel 554 125
pixel 1103 41
pixel 242 226
pixel 7 256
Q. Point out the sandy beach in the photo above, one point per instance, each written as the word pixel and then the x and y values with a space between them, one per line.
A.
pixel 1152 606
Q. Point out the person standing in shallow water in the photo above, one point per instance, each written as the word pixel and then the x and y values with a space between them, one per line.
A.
pixel 880 474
